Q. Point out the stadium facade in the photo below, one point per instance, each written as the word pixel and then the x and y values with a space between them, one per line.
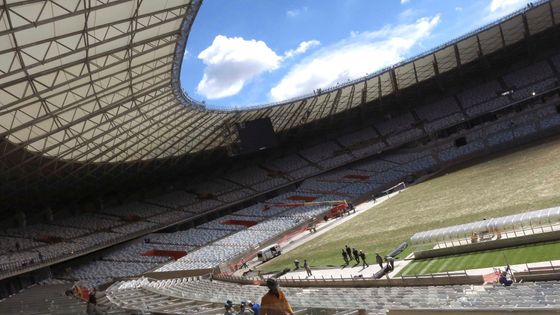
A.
pixel 91 97
pixel 91 104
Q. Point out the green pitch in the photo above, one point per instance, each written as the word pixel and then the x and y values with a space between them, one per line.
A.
pixel 484 259
pixel 528 179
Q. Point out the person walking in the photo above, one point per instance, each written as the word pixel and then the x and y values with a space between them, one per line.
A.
pixel 274 302
pixel 345 257
pixel 390 262
pixel 356 255
pixel 379 260
pixel 363 257
pixel 348 252
pixel 307 269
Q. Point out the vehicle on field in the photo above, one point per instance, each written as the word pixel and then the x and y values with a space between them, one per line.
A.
pixel 269 252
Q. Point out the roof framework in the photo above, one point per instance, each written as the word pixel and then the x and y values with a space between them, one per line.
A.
pixel 86 84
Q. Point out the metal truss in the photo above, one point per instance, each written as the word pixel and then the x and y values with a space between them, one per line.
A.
pixel 90 88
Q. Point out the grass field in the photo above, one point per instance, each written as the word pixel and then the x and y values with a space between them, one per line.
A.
pixel 528 179
pixel 489 258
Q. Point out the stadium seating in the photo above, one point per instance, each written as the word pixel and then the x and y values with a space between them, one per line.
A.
pixel 320 152
pixel 375 300
pixel 43 299
pixel 203 206
pixel 235 195
pixel 487 106
pixel 479 94
pixel 396 124
pixel 78 233
pixel 89 221
pixel 134 227
pixel 221 223
pixel 261 210
pixel 9 243
pixel 248 176
pixel 134 252
pixel 46 230
pixel 528 75
pixel 440 114
pixel 216 187
pixel 175 199
pixel 304 172
pixel 109 269
pixel 191 237
pixel 405 136
pixel 361 136
pixel 288 163
pixel 338 160
pixel 170 216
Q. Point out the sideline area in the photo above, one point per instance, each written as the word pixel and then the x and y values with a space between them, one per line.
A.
pixel 322 228
pixel 354 270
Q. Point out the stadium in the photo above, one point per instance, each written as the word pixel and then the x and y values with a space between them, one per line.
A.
pixel 116 184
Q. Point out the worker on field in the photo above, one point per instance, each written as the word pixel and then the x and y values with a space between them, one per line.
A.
pixel 379 260
pixel 351 208
pixel 345 257
pixel 274 302
pixel 307 269
pixel 390 262
pixel 356 255
pixel 504 279
pixel 348 252
pixel 363 257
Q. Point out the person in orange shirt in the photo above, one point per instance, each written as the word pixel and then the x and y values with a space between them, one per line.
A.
pixel 274 301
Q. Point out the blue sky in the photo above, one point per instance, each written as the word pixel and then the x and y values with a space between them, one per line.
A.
pixel 249 52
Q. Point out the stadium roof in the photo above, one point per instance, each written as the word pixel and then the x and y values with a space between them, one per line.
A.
pixel 96 82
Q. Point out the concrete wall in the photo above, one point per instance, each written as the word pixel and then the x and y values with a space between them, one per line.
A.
pixel 537 276
pixel 164 275
pixel 362 282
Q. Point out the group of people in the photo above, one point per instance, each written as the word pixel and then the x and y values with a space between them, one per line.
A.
pixel 274 302
pixel 245 308
pixel 349 254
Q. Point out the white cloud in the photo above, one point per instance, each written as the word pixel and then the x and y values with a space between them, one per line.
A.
pixel 295 12
pixel 407 14
pixel 302 48
pixel 231 62
pixel 353 57
pixel 499 8
pixel 405 1
pixel 506 5
pixel 459 9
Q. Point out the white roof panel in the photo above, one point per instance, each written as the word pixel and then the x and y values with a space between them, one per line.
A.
pixel 111 100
